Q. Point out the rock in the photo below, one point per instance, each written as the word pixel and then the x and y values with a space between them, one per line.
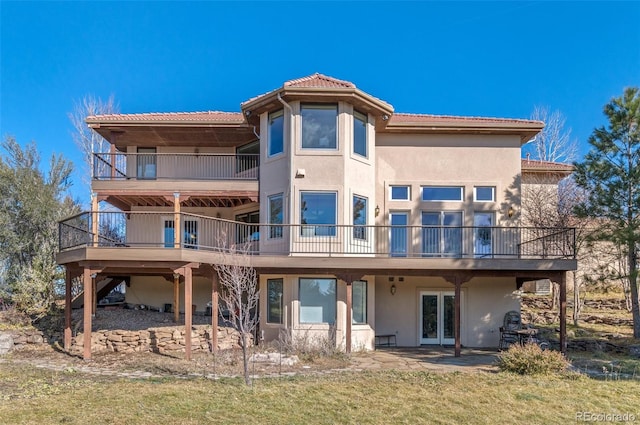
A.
pixel 634 350
pixel 6 343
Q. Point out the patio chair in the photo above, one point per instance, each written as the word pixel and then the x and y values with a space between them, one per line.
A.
pixel 512 323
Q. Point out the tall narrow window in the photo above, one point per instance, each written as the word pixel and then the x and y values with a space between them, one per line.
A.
pixel 359 293
pixel 319 126
pixel 276 133
pixel 360 133
pixel 274 300
pixel 317 300
pixel 276 209
pixel 318 213
pixel 147 162
pixel 359 217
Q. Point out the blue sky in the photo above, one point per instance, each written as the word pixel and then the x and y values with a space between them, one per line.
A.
pixel 462 58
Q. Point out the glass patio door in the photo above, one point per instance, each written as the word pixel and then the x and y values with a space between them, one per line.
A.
pixel 398 238
pixel 437 321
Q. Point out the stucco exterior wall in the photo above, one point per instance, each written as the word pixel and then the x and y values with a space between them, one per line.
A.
pixel 156 291
pixel 483 304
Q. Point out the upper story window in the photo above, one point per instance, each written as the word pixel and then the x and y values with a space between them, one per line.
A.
pixel 276 133
pixel 359 217
pixel 319 126
pixel 400 193
pixel 318 213
pixel 484 194
pixel 442 193
pixel 360 133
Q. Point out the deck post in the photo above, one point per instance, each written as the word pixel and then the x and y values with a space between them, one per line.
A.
pixel 67 310
pixel 214 311
pixel 176 220
pixel 94 220
pixel 112 151
pixel 88 301
pixel 563 312
pixel 176 297
pixel 188 310
pixel 456 302
pixel 94 294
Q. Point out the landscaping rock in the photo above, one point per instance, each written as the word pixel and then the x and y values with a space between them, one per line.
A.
pixel 6 343
pixel 634 350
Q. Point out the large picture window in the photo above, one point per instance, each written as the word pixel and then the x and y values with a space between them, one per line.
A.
pixel 318 213
pixel 274 300
pixel 276 215
pixel 442 193
pixel 276 133
pixel 360 133
pixel 317 300
pixel 319 123
pixel 359 217
pixel 359 294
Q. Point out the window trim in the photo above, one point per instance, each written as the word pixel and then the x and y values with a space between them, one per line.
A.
pixel 475 194
pixel 281 282
pixel 461 188
pixel 274 114
pixel 321 106
pixel 365 119
pixel 391 198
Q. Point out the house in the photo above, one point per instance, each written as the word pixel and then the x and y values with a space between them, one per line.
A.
pixel 408 224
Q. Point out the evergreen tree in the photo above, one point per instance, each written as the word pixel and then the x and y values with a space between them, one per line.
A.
pixel 610 173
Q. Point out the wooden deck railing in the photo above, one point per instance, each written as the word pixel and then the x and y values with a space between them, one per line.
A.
pixel 156 229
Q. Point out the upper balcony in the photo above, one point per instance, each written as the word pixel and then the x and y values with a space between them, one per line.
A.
pixel 125 235
pixel 121 177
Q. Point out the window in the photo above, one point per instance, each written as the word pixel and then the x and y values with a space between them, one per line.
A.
pixel 400 193
pixel 317 300
pixel 146 162
pixel 442 234
pixel 360 133
pixel 319 124
pixel 191 234
pixel 359 217
pixel 274 301
pixel 442 193
pixel 359 295
pixel 484 194
pixel 247 157
pixel 276 133
pixel 276 209
pixel 249 232
pixel 318 213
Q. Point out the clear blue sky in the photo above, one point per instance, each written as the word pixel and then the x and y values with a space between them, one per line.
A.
pixel 462 58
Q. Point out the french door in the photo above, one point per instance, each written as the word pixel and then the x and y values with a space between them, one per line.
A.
pixel 437 318
pixel 483 234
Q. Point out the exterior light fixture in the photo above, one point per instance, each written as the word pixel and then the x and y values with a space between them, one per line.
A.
pixel 393 289
pixel 377 211
pixel 511 212
pixel 385 117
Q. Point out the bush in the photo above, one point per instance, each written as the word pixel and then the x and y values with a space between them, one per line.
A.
pixel 530 359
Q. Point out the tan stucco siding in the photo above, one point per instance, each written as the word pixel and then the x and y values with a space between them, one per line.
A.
pixel 156 291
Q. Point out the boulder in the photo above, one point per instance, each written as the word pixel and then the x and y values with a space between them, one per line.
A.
pixel 6 343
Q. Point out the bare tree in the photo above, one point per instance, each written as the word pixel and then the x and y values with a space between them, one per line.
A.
pixel 554 142
pixel 240 295
pixel 87 140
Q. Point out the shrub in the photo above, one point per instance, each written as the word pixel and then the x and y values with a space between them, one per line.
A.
pixel 529 359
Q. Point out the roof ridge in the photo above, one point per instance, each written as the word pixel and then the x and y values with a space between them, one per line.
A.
pixel 318 76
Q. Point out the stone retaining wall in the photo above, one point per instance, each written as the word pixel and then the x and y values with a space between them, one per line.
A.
pixel 162 339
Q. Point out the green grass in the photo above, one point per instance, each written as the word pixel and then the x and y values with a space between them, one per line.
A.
pixel 36 396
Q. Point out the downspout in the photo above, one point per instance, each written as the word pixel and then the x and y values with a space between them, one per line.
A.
pixel 290 202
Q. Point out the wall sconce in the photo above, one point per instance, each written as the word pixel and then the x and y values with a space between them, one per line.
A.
pixel 393 289
pixel 511 212
pixel 377 211
pixel 385 117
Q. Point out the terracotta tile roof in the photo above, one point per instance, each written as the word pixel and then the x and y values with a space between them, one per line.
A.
pixel 535 165
pixel 319 80
pixel 403 118
pixel 204 117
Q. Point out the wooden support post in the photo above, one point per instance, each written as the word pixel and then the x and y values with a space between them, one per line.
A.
pixel 88 300
pixel 176 297
pixel 563 312
pixel 349 316
pixel 94 293
pixel 112 157
pixel 67 310
pixel 94 220
pixel 177 233
pixel 458 344
pixel 214 311
pixel 188 319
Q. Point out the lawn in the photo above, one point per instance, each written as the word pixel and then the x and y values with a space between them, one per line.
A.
pixel 36 396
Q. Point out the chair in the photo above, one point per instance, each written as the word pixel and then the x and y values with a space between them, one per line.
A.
pixel 512 323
